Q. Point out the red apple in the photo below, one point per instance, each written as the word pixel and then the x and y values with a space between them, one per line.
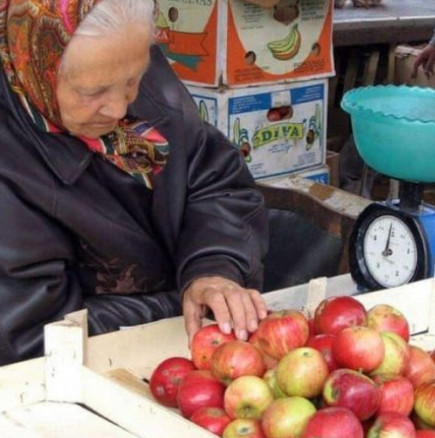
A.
pixel 396 358
pixel 421 367
pixel 269 361
pixel 247 397
pixel 270 378
pixel 311 327
pixel 323 343
pixel 425 434
pixel 336 313
pixel 358 348
pixel 204 343
pixel 244 428
pixel 235 359
pixel 198 389
pixel 302 372
pixel 166 378
pixel 432 355
pixel 391 424
pixel 352 390
pixel 397 394
pixel 213 419
pixel 287 417
pixel 424 403
pixel 333 423
pixel 384 317
pixel 282 331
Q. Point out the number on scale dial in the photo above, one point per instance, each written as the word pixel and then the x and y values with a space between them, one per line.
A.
pixel 390 251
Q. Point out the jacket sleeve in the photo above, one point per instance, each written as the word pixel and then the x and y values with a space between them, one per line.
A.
pixel 225 229
pixel 38 284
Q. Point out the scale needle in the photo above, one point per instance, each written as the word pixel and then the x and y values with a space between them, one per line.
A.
pixel 387 251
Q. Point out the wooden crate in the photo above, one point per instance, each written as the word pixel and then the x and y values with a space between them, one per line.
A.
pixel 93 386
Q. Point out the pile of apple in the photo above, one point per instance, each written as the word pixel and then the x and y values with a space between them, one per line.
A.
pixel 346 372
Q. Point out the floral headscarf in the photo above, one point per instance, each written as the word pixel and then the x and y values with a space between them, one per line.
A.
pixel 33 37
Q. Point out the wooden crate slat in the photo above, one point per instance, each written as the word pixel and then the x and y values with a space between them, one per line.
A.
pixel 55 420
pixel 64 343
pixel 141 347
pixel 22 383
pixel 413 300
pixel 134 411
pixel 297 297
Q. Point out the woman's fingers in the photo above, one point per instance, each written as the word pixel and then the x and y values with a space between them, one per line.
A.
pixel 233 306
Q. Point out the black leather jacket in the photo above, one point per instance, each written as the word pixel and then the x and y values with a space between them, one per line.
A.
pixel 77 232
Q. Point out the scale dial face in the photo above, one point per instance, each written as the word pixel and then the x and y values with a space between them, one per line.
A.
pixel 388 248
pixel 390 251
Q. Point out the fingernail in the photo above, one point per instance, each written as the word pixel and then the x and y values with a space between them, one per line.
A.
pixel 253 325
pixel 226 328
pixel 263 314
pixel 242 334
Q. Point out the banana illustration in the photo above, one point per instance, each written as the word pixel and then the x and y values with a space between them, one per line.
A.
pixel 241 140
pixel 236 132
pixel 203 111
pixel 287 47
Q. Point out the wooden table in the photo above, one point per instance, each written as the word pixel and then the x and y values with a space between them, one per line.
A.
pixel 394 21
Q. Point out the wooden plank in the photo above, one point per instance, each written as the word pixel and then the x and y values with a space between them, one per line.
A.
pixel 139 349
pixel 371 68
pixel 316 294
pixel 308 197
pixel 413 300
pixel 296 297
pixel 391 64
pixel 131 381
pixel 64 350
pixel 9 429
pixel 22 383
pixel 54 420
pixel 134 411
pixel 351 71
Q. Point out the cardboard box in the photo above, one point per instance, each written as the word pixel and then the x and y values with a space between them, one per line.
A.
pixel 405 58
pixel 271 146
pixel 237 43
pixel 319 175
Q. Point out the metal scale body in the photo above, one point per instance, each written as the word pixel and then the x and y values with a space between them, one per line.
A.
pixel 393 242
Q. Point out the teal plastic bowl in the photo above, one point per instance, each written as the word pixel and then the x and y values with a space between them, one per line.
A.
pixel 394 129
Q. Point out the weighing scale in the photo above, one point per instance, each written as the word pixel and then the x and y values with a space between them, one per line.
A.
pixel 393 242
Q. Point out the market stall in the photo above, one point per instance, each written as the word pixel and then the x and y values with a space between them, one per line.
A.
pixel 393 21
pixel 49 397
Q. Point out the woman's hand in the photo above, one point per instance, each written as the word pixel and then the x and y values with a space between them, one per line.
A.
pixel 426 59
pixel 232 305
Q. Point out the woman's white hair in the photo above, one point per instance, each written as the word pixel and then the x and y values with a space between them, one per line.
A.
pixel 110 15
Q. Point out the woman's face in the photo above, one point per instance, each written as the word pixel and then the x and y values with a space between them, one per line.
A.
pixel 100 76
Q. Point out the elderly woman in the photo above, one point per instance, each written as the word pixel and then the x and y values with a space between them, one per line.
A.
pixel 114 195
